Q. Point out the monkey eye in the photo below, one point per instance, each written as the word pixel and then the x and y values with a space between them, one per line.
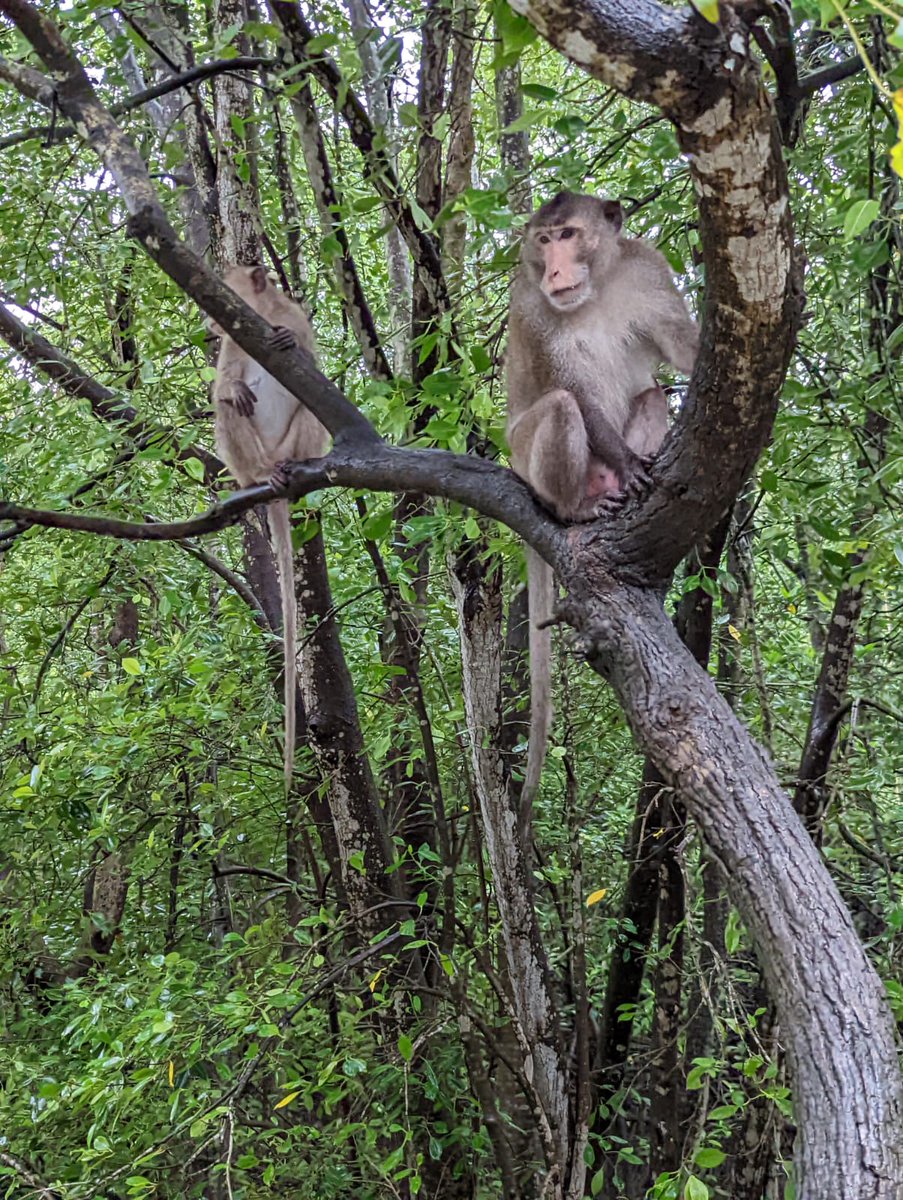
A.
pixel 543 238
pixel 567 233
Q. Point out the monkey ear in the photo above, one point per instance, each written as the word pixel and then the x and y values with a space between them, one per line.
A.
pixel 259 279
pixel 613 213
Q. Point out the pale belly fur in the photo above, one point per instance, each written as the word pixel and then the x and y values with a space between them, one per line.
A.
pixel 610 369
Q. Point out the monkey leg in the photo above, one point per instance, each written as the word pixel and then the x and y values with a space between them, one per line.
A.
pixel 648 422
pixel 549 449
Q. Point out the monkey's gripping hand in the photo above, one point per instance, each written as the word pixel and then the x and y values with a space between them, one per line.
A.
pixel 240 397
pixel 282 338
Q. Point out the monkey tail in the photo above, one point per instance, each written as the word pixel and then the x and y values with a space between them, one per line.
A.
pixel 281 527
pixel 541 586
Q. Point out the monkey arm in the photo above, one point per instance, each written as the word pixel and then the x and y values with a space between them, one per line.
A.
pixel 605 442
pixel 230 386
pixel 677 337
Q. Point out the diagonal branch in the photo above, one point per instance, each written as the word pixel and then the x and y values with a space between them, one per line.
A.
pixel 77 100
pixel 38 87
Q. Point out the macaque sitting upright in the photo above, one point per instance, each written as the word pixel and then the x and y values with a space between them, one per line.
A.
pixel 258 426
pixel 592 317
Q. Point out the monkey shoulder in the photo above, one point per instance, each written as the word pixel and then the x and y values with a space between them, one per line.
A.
pixel 646 263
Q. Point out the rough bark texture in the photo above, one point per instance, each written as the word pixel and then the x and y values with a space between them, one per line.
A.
pixel 235 166
pixel 829 1000
pixel 461 143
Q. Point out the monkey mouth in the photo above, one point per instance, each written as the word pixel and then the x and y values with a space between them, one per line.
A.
pixel 567 296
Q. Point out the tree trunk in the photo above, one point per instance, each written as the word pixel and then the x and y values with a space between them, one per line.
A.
pixel 842 1054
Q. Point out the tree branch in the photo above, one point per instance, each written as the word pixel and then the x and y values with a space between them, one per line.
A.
pixel 481 484
pixel 835 73
pixel 38 87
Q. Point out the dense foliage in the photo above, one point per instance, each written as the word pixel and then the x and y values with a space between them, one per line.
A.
pixel 220 1028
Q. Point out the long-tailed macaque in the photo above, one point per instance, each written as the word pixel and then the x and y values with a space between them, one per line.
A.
pixel 592 317
pixel 259 426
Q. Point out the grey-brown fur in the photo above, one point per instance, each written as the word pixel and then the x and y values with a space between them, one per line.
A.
pixel 259 426
pixel 592 316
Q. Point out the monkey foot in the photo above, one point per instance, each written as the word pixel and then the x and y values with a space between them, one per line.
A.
pixel 282 338
pixel 608 505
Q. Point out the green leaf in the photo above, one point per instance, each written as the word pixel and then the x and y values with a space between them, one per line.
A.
pixel 195 468
pixel 695 1189
pixel 707 9
pixel 405 1047
pixel 597 1182
pixel 131 666
pixel 709 1157
pixel 859 216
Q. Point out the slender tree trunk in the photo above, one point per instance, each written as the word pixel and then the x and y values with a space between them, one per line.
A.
pixel 367 37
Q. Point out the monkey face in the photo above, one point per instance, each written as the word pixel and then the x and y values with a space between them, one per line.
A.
pixel 569 240
pixel 566 254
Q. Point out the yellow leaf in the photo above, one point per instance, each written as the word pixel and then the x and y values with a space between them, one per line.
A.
pixel 898 105
pixel 375 980
pixel 595 897
pixel 707 9
pixel 896 159
pixel 286 1100
pixel 172 1073
pixel 791 608
pixel 734 632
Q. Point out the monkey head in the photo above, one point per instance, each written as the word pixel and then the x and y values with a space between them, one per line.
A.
pixel 247 282
pixel 568 240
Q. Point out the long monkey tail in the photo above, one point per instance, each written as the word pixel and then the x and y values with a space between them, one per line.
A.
pixel 541 591
pixel 281 529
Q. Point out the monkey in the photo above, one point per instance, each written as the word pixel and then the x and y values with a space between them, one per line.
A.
pixel 258 427
pixel 592 316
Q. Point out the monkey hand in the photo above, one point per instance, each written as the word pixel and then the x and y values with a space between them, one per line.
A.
pixel 241 398
pixel 637 480
pixel 282 338
pixel 279 475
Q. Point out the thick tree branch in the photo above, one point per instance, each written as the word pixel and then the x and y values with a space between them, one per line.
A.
pixel 482 485
pixel 31 83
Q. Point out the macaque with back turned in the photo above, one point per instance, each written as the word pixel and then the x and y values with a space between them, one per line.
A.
pixel 592 317
pixel 259 426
